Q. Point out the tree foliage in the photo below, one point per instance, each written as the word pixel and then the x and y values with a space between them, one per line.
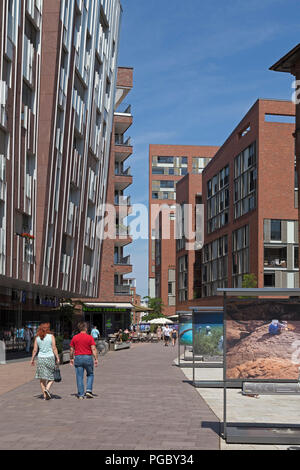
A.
pixel 157 306
pixel 249 281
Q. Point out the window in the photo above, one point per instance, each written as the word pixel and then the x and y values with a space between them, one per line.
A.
pixel 158 171
pixel 218 200
pixel 275 257
pixel 296 257
pixel 154 195
pixel 215 266
pixel 269 280
pixel 184 160
pixel 245 173
pixel 276 230
pixel 167 184
pixel 165 160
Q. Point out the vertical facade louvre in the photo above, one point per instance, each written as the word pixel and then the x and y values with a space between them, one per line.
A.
pixel 58 70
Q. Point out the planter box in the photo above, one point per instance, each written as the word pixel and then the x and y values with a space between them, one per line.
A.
pixel 119 346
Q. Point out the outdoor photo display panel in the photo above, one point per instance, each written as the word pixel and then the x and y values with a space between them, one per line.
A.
pixel 262 339
pixel 208 335
pixel 185 328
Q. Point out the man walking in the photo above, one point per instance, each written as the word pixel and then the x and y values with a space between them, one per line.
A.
pixel 95 333
pixel 167 335
pixel 83 347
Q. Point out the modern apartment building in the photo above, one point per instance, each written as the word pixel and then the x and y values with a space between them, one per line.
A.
pixel 113 307
pixel 167 165
pixel 290 63
pixel 58 64
pixel 250 194
pixel 188 248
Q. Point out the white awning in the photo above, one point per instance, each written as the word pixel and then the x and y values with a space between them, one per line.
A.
pixel 106 305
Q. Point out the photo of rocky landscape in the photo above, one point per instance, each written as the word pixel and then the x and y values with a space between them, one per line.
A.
pixel 263 339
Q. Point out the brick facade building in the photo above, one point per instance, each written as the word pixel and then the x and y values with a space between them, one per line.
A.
pixel 167 165
pixel 251 203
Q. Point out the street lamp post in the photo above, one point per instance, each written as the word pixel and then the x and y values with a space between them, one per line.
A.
pixel 290 63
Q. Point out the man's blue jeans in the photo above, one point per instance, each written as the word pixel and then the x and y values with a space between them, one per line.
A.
pixel 84 363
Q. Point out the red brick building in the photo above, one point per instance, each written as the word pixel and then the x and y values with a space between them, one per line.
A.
pixel 167 165
pixel 290 63
pixel 113 308
pixel 188 250
pixel 250 201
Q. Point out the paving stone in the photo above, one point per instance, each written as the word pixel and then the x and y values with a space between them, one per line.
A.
pixel 143 402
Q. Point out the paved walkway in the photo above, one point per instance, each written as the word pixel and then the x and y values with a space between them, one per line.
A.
pixel 13 375
pixel 143 403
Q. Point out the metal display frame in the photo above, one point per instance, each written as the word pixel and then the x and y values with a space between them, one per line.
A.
pixel 205 365
pixel 209 365
pixel 260 433
pixel 180 364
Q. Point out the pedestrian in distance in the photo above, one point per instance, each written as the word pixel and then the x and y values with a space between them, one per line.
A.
pixel 174 337
pixel 167 335
pixel 159 333
pixel 46 352
pixel 28 335
pixel 83 349
pixel 95 333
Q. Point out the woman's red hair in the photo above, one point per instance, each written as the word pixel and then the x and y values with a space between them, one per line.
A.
pixel 44 330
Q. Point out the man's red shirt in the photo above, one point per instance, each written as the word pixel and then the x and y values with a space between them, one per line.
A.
pixel 82 344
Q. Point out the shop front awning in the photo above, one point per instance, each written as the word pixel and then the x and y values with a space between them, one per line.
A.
pixel 42 290
pixel 121 305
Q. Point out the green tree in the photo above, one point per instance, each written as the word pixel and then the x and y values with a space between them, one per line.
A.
pixel 249 281
pixel 157 307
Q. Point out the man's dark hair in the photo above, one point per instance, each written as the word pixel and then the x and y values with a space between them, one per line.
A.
pixel 82 326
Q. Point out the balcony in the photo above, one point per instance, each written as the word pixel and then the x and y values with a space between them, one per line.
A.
pixel 121 290
pixel 123 236
pixel 123 148
pixel 124 108
pixel 119 261
pixel 123 121
pixel 123 179
pixel 123 201
pixel 122 265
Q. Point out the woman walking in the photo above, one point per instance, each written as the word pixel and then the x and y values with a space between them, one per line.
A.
pixel 174 337
pixel 45 349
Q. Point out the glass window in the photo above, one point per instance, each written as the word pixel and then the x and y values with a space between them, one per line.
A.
pixel 269 280
pixel 167 184
pixel 296 257
pixel 276 230
pixel 165 159
pixel 275 257
pixel 158 171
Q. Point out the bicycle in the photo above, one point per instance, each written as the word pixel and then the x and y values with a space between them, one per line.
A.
pixel 102 347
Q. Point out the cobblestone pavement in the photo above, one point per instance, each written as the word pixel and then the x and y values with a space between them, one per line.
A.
pixel 13 375
pixel 143 403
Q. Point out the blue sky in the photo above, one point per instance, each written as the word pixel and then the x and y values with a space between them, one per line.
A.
pixel 198 67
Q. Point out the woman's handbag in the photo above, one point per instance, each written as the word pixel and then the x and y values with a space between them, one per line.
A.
pixel 57 374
